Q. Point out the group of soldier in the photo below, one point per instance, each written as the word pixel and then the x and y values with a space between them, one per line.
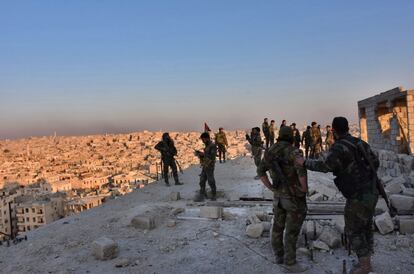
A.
pixel 351 160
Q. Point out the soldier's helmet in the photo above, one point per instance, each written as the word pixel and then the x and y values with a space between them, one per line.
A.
pixel 286 134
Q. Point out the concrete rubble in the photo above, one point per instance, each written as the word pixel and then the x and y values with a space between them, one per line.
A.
pixel 143 222
pixel 211 212
pixel 384 223
pixel 105 249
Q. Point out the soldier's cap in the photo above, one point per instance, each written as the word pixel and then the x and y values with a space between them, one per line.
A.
pixel 313 123
pixel 286 134
pixel 293 124
pixel 340 125
pixel 205 135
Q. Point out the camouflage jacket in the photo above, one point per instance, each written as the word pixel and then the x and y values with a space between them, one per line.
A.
pixel 255 140
pixel 315 136
pixel 343 162
pixel 168 151
pixel 272 131
pixel 208 160
pixel 329 138
pixel 221 138
pixel 291 168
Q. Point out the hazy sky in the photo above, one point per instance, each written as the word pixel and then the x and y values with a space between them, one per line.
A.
pixel 79 67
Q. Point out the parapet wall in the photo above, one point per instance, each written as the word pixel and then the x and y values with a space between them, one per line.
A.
pixel 387 120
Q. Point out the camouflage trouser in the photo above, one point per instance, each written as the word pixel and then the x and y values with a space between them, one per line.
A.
pixel 221 151
pixel 257 155
pixel 207 174
pixel 289 214
pixel 359 213
pixel 167 163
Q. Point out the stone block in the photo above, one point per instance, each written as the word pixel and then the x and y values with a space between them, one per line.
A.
pixel 403 204
pixel 143 222
pixel 384 223
pixel 327 191
pixel 255 230
pixel 211 212
pixel 175 196
pixel 105 249
pixel 330 236
pixel 381 206
pixel 386 179
pixel 320 245
pixel 394 187
pixel 340 223
pixel 406 226
pixel 317 197
pixel 253 219
pixel 407 191
pixel 310 230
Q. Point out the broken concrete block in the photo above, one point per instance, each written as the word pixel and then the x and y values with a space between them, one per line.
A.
pixel 330 236
pixel 310 230
pixel 384 223
pixel 406 226
pixel 340 223
pixel 105 249
pixel 171 223
pixel 177 211
pixel 267 226
pixel 211 212
pixel 304 251
pixel 253 219
pixel 403 204
pixel 255 230
pixel 320 245
pixel 327 191
pixel 175 196
pixel 407 191
pixel 386 179
pixel 317 197
pixel 381 206
pixel 394 187
pixel 143 222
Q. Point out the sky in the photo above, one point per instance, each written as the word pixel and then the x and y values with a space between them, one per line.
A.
pixel 90 67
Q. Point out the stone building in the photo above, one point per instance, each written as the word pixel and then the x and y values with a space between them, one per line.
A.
pixel 387 120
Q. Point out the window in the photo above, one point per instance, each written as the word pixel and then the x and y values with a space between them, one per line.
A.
pixel 34 219
pixel 27 210
pixel 33 210
pixel 28 227
pixel 27 219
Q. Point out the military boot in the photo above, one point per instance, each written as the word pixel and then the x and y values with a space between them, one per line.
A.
pixel 177 182
pixel 167 183
pixel 363 267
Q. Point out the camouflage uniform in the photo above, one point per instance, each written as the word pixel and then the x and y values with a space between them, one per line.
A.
pixel 356 182
pixel 307 141
pixel 266 133
pixel 289 206
pixel 255 140
pixel 221 142
pixel 329 140
pixel 316 142
pixel 168 152
pixel 271 134
pixel 208 161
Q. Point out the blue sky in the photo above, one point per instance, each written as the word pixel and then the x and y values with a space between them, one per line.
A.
pixel 82 67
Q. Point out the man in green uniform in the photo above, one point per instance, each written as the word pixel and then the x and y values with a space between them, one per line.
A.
pixel 296 135
pixel 350 159
pixel 329 140
pixel 266 131
pixel 255 140
pixel 208 161
pixel 222 144
pixel 307 141
pixel 168 152
pixel 316 141
pixel 272 129
pixel 289 177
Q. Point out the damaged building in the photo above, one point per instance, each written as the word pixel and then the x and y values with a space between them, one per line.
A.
pixel 387 120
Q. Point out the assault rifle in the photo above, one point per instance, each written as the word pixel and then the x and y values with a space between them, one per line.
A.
pixel 275 167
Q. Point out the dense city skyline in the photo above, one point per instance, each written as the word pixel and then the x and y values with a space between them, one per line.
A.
pixel 98 67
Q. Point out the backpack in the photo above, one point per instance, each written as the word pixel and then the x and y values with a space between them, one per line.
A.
pixel 357 175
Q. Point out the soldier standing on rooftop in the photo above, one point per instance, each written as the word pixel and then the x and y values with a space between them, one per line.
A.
pixel 266 131
pixel 354 165
pixel 208 161
pixel 257 146
pixel 222 144
pixel 296 136
pixel 272 129
pixel 168 152
pixel 289 188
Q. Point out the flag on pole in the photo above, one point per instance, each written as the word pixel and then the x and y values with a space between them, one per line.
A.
pixel 206 127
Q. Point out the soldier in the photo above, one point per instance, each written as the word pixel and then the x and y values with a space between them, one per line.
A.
pixel 222 144
pixel 283 124
pixel 285 163
pixel 296 135
pixel 208 161
pixel 316 141
pixel 272 129
pixel 329 140
pixel 257 145
pixel 354 165
pixel 266 132
pixel 168 152
pixel 307 141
